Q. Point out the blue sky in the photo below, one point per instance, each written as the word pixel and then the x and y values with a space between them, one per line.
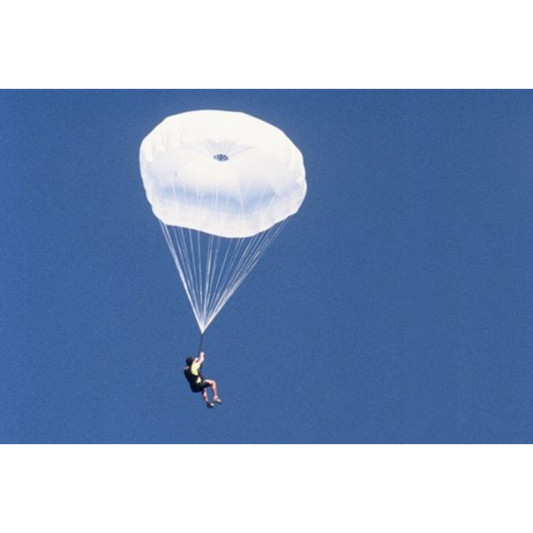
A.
pixel 394 308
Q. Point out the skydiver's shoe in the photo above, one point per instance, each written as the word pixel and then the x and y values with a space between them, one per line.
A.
pixel 209 404
pixel 217 400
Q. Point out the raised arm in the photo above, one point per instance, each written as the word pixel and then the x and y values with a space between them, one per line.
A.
pixel 201 357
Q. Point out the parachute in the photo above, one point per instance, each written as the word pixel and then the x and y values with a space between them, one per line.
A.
pixel 222 184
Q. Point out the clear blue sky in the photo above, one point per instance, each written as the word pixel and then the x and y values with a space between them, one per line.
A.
pixel 396 307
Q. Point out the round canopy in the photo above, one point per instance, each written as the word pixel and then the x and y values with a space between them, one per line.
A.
pixel 221 172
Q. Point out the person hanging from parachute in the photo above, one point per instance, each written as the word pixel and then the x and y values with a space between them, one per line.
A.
pixel 222 185
pixel 197 382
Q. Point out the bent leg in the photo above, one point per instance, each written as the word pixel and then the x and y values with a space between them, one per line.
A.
pixel 206 398
pixel 213 384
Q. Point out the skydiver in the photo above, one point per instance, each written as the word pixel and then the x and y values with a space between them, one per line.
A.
pixel 193 373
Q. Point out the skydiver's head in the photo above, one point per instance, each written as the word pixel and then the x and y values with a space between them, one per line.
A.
pixel 189 361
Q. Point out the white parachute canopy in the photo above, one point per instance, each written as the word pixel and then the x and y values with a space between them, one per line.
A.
pixel 222 185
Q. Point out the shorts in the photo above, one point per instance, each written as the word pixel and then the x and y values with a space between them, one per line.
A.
pixel 199 387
